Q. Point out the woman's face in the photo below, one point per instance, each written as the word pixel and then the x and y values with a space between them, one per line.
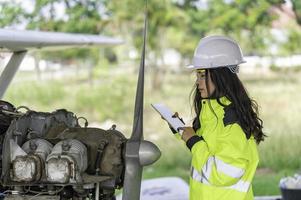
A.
pixel 201 83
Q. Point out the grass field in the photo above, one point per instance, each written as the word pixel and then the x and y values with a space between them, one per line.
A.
pixel 111 100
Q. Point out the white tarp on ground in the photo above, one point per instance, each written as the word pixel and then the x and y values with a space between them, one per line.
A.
pixel 167 188
pixel 172 188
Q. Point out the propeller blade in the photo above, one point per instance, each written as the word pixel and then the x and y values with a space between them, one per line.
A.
pixel 133 173
pixel 133 168
pixel 138 152
pixel 137 132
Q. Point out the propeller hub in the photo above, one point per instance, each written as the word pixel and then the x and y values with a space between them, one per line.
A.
pixel 148 153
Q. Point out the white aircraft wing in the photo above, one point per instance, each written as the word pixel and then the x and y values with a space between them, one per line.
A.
pixel 17 40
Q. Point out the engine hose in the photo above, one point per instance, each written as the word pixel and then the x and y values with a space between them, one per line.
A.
pixel 97 162
pixel 39 192
pixel 99 154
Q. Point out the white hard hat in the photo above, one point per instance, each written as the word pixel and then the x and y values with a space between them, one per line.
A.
pixel 217 51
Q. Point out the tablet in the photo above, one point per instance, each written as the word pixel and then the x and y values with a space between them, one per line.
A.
pixel 166 113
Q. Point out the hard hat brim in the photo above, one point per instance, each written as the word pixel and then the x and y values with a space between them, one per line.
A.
pixel 193 67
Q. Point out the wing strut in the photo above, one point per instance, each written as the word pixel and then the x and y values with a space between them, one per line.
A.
pixel 10 70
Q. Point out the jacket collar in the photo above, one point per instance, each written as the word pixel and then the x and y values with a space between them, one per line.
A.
pixel 214 102
pixel 211 109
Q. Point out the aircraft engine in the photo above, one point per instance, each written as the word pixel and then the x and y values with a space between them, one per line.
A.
pixel 66 161
pixel 51 154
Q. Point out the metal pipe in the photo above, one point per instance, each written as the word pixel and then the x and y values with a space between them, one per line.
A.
pixel 10 70
pixel 97 191
pixel 100 150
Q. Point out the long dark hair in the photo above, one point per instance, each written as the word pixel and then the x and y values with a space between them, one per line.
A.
pixel 227 84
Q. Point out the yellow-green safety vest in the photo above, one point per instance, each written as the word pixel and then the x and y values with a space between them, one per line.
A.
pixel 224 161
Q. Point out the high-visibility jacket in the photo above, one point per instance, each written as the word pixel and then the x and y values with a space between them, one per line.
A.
pixel 224 161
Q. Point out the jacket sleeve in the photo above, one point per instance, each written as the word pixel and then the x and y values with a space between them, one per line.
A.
pixel 178 136
pixel 219 159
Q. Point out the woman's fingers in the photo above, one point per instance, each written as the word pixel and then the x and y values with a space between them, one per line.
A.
pixel 175 115
pixel 182 128
pixel 188 132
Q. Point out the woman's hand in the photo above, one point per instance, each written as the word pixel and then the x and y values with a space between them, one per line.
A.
pixel 175 115
pixel 188 132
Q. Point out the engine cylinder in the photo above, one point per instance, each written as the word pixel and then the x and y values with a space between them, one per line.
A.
pixel 30 167
pixel 66 161
pixel 26 168
pixel 39 147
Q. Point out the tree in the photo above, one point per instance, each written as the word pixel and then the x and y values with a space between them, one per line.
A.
pixel 297 10
pixel 10 13
pixel 78 17
pixel 176 24
pixel 163 16
pixel 294 35
pixel 245 20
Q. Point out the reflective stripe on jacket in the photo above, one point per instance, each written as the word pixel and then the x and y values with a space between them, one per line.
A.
pixel 224 161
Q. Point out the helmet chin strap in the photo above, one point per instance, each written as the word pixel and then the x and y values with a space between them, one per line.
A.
pixel 233 68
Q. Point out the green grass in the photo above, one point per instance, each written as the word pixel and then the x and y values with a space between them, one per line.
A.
pixel 112 98
pixel 266 181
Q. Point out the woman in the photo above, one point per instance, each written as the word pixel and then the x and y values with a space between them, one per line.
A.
pixel 226 130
